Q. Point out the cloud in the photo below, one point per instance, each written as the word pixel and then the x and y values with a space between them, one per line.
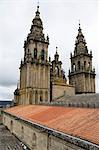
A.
pixel 6 92
pixel 8 75
pixel 60 20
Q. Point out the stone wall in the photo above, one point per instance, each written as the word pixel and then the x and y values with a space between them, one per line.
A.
pixel 34 83
pixel 38 137
pixel 27 134
pixel 61 89
pixel 57 144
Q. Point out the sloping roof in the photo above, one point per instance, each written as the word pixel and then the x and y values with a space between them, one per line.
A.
pixel 79 100
pixel 78 122
pixel 89 98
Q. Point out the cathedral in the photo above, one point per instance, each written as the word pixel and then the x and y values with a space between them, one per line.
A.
pixel 43 80
pixel 57 121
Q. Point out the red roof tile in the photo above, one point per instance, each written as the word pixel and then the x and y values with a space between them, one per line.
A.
pixel 80 122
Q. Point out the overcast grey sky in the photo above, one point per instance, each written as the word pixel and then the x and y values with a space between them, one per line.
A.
pixel 60 21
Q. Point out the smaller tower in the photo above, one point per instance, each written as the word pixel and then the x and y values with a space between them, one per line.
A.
pixel 57 78
pixel 82 75
pixel 57 73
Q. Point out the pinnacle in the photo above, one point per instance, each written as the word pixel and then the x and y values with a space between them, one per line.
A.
pixel 80 42
pixel 56 50
pixel 37 12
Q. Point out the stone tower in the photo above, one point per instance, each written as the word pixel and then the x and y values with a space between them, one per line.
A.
pixel 58 82
pixel 81 75
pixel 35 68
pixel 57 73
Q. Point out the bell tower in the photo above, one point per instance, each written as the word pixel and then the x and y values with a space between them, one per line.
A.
pixel 82 75
pixel 35 68
pixel 57 73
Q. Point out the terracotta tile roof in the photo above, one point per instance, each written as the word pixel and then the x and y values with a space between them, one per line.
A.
pixel 79 122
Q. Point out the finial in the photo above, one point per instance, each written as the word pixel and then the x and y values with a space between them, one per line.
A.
pixel 79 26
pixel 56 49
pixel 79 23
pixel 37 12
pixel 38 5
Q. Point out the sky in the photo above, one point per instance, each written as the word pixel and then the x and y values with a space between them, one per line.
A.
pixel 60 20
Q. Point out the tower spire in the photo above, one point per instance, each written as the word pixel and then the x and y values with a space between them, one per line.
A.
pixel 56 56
pixel 79 23
pixel 56 50
pixel 38 5
pixel 37 12
pixel 79 29
pixel 80 43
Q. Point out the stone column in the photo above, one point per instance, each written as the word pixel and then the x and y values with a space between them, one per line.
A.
pixel 28 75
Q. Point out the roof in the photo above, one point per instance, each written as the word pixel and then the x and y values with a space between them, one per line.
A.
pixel 79 100
pixel 78 122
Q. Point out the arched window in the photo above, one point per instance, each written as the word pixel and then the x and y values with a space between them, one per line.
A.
pixel 74 67
pixel 35 53
pixel 28 50
pixel 36 97
pixel 78 65
pixel 41 96
pixel 22 132
pixel 42 55
pixel 11 126
pixel 30 98
pixel 88 65
pixel 57 70
pixel 46 96
pixel 34 140
pixel 84 64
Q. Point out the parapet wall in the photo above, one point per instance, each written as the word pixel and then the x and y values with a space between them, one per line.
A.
pixel 39 137
pixel 61 89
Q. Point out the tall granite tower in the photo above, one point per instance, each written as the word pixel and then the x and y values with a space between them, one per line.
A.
pixel 82 75
pixel 35 68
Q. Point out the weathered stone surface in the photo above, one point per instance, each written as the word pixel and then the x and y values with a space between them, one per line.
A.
pixel 9 141
pixel 81 100
pixel 82 74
